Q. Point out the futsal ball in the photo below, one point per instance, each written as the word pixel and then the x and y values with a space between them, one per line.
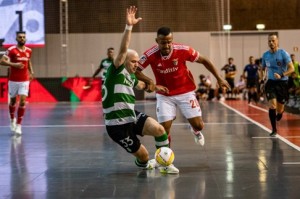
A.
pixel 164 156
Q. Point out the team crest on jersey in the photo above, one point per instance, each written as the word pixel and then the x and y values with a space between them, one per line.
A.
pixel 143 59
pixel 278 63
pixel 175 62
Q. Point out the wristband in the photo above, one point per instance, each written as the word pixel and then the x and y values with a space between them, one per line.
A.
pixel 282 75
pixel 128 27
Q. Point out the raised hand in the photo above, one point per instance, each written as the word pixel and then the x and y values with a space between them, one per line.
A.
pixel 130 16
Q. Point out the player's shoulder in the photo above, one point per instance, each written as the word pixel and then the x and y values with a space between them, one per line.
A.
pixel 266 54
pixel 12 48
pixel 28 49
pixel 154 49
pixel 282 51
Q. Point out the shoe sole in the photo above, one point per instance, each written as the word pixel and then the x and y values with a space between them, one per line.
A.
pixel 165 172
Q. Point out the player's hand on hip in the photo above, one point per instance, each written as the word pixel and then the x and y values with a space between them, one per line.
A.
pixel 130 17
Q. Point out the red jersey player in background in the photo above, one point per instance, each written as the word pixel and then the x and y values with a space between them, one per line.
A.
pixel 21 72
pixel 168 63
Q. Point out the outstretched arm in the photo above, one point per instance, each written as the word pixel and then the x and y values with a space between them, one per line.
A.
pixel 130 21
pixel 211 68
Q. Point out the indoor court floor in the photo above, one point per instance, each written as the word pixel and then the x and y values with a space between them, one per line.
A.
pixel 65 153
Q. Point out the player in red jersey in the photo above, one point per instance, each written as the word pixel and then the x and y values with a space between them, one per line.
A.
pixel 168 63
pixel 21 72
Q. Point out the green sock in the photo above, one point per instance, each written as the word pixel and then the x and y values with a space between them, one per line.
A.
pixel 161 141
pixel 139 163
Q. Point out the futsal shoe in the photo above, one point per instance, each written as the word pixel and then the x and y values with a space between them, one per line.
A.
pixel 199 138
pixel 13 124
pixel 171 169
pixel 18 130
pixel 152 164
pixel 273 134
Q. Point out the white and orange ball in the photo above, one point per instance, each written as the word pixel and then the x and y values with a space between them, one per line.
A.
pixel 164 156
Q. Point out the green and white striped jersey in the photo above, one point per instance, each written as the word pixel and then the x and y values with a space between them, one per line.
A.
pixel 118 97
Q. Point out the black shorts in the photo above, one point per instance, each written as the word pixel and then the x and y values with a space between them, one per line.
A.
pixel 126 134
pixel 277 89
pixel 251 83
pixel 230 82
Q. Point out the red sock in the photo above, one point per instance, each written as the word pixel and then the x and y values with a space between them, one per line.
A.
pixel 12 110
pixel 21 111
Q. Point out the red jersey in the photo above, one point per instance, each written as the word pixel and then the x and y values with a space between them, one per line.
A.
pixel 17 55
pixel 171 71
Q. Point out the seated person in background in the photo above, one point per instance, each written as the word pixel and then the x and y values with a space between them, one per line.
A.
pixel 294 91
pixel 240 87
pixel 203 88
pixel 219 93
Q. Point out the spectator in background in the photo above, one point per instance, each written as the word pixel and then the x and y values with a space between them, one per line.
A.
pixel 252 79
pixel 296 65
pixel 261 81
pixel 204 87
pixel 240 87
pixel 230 72
pixel 294 91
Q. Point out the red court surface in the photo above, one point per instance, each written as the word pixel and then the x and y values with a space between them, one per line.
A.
pixel 288 127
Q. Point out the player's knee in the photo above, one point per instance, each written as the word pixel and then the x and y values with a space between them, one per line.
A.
pixel 199 126
pixel 159 129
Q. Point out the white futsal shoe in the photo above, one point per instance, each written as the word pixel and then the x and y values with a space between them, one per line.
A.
pixel 18 130
pixel 198 137
pixel 171 169
pixel 152 164
pixel 13 124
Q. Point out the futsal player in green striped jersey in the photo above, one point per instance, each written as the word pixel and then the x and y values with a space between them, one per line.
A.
pixel 123 122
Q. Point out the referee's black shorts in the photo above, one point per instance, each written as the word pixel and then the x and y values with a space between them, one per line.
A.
pixel 277 89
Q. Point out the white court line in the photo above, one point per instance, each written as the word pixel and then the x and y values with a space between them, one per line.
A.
pixel 100 125
pixel 276 137
pixel 211 123
pixel 55 126
pixel 291 163
pixel 262 126
pixel 259 108
pixel 269 137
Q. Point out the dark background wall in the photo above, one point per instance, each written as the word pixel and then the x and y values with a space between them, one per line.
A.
pixel 103 16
